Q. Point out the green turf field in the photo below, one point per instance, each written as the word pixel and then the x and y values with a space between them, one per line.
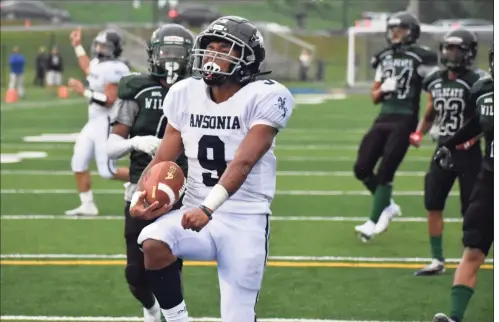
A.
pixel 317 269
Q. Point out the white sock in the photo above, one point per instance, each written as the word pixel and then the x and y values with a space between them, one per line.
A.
pixel 86 197
pixel 155 309
pixel 176 314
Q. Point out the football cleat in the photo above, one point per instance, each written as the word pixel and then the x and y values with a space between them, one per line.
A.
pixel 365 232
pixel 440 317
pixel 393 210
pixel 83 210
pixel 436 267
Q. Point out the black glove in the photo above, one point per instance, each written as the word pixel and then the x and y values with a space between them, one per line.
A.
pixel 443 158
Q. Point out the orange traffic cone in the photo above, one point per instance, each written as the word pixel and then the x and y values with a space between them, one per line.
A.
pixel 11 96
pixel 63 92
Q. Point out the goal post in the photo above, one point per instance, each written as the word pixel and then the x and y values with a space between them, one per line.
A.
pixel 364 42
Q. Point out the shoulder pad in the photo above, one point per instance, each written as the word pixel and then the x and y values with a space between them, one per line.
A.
pixel 431 77
pixel 428 56
pixel 484 84
pixel 471 77
pixel 186 83
pixel 133 83
pixel 482 73
pixel 376 58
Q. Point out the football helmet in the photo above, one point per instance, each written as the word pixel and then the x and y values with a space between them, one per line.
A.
pixel 169 50
pixel 406 22
pixel 458 49
pixel 107 45
pixel 243 38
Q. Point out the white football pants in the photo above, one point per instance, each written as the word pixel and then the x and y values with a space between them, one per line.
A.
pixel 239 244
pixel 91 143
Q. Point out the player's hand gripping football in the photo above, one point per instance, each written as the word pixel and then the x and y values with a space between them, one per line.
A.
pixel 75 37
pixel 76 86
pixel 147 144
pixel 139 208
pixel 443 158
pixel 195 219
pixel 415 139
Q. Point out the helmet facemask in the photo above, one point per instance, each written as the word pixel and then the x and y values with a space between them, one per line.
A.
pixel 455 56
pixel 206 61
pixel 169 61
pixel 103 49
pixel 400 31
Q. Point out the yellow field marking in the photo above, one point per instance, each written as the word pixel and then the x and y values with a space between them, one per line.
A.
pixel 198 263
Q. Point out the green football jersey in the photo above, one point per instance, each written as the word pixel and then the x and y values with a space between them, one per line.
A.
pixel 410 66
pixel 142 109
pixel 482 98
pixel 451 100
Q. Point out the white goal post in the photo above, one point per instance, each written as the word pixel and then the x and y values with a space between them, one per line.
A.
pixel 364 42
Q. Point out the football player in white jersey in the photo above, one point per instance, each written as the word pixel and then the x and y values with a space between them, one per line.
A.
pixel 226 122
pixel 103 73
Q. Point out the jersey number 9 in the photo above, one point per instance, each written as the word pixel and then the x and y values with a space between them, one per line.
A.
pixel 211 156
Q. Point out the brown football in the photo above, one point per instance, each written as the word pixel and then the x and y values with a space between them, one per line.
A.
pixel 165 183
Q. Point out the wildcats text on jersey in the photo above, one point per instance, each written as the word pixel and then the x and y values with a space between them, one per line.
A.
pixel 486 104
pixel 397 62
pixel 152 103
pixel 215 122
pixel 447 92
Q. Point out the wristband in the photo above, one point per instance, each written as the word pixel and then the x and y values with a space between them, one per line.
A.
pixel 217 196
pixel 80 51
pixel 206 211
pixel 96 97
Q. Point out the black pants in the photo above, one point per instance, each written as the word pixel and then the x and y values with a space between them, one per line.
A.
pixel 439 182
pixel 388 139
pixel 39 77
pixel 478 223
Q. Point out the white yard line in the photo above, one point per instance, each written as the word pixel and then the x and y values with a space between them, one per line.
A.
pixel 138 319
pixel 41 104
pixel 279 173
pixel 300 158
pixel 278 192
pixel 297 158
pixel 273 218
pixel 331 147
pixel 304 147
pixel 276 258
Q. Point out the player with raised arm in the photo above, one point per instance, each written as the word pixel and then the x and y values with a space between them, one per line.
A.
pixel 226 121
pixel 478 223
pixel 103 73
pixel 400 70
pixel 139 127
pixel 449 103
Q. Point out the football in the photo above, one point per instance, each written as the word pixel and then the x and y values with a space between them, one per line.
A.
pixel 165 183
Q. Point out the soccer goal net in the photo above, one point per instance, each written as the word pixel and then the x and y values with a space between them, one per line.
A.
pixel 364 42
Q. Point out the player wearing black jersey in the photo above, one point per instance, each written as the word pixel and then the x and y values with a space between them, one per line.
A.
pixel 450 105
pixel 400 70
pixel 139 127
pixel 478 224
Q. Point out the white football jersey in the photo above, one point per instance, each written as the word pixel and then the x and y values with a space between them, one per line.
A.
pixel 100 74
pixel 211 134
